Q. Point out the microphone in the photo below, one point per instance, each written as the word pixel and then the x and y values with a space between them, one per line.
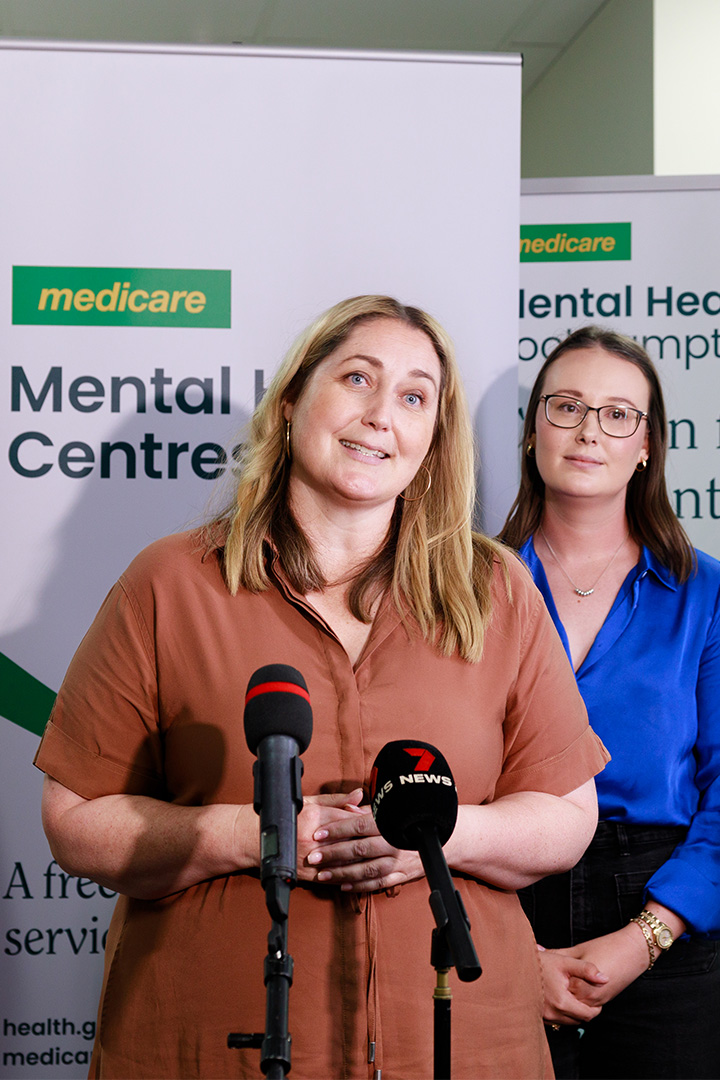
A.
pixel 415 804
pixel 278 727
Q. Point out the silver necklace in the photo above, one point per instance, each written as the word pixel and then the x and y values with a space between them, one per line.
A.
pixel 582 592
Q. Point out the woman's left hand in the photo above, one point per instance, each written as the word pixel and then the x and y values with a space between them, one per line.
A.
pixel 352 854
pixel 622 956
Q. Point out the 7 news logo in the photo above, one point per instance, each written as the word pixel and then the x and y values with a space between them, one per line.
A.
pixel 420 774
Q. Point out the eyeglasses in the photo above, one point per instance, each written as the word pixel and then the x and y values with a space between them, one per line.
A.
pixel 617 420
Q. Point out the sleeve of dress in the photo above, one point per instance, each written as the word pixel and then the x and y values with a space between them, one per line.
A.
pixel 689 882
pixel 548 743
pixel 103 736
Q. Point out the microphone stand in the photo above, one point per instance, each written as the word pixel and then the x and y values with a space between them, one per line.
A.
pixel 275 1043
pixel 275 1056
pixel 452 944
pixel 442 1003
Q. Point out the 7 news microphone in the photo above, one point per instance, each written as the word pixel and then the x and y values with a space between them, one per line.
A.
pixel 278 728
pixel 414 802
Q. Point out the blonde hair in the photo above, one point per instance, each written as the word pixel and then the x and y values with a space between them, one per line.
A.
pixel 437 570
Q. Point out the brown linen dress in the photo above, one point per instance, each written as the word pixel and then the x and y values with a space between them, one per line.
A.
pixel 153 704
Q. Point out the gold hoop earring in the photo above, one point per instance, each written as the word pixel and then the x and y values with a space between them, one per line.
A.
pixel 641 465
pixel 287 438
pixel 530 449
pixel 418 497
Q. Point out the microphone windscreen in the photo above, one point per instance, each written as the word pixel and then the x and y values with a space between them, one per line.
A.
pixel 277 703
pixel 411 785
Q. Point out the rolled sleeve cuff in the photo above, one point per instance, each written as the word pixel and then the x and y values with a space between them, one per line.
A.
pixel 579 762
pixel 88 774
pixel 686 891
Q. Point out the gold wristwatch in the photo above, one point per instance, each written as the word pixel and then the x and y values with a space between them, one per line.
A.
pixel 660 930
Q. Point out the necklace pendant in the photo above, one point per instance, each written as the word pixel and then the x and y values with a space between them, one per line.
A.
pixel 581 592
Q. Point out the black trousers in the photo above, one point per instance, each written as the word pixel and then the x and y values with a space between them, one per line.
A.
pixel 667 1023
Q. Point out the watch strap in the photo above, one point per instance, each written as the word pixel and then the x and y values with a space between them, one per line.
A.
pixel 647 934
pixel 661 932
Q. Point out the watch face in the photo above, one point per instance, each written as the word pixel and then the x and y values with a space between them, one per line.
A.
pixel 664 938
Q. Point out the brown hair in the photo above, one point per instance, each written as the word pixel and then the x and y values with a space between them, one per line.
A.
pixel 435 567
pixel 650 516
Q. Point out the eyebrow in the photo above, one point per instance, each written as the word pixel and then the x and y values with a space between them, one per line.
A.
pixel 577 396
pixel 416 373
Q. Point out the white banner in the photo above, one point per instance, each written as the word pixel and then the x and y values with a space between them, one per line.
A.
pixel 170 220
pixel 637 254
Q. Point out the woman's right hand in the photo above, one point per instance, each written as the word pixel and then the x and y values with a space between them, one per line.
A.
pixel 317 812
pixel 567 980
pixel 148 848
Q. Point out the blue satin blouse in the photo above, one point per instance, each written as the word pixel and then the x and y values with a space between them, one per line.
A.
pixel 651 684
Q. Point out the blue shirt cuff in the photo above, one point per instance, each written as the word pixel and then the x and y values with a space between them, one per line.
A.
pixel 687 892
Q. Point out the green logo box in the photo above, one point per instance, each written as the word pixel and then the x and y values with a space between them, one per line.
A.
pixel 102 296
pixel 575 243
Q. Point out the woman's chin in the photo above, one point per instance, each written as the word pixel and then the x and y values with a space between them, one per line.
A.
pixel 365 495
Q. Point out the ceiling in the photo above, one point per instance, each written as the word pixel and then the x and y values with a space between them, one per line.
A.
pixel 539 29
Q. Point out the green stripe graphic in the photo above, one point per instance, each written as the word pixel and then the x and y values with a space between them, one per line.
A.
pixel 24 699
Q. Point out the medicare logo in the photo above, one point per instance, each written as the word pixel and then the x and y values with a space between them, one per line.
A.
pixel 102 296
pixel 575 243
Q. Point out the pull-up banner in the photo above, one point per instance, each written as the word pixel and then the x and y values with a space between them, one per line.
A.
pixel 171 219
pixel 638 254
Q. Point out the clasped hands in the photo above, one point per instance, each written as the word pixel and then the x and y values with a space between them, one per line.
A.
pixel 339 844
pixel 579 980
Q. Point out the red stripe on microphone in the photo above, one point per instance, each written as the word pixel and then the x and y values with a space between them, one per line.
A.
pixel 277 688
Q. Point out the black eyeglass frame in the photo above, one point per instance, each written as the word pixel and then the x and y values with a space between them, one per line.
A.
pixel 593 408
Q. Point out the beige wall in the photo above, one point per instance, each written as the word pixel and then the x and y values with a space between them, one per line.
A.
pixel 687 87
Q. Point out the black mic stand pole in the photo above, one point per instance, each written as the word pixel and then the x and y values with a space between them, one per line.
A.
pixel 442 1004
pixel 452 944
pixel 275 1055
pixel 275 1042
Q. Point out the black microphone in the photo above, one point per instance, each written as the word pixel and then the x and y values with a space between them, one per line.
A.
pixel 278 727
pixel 414 802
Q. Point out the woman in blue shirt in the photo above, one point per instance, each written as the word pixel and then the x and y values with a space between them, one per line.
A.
pixel 629 937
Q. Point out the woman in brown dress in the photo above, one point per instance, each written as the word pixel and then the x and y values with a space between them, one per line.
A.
pixel 348 554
